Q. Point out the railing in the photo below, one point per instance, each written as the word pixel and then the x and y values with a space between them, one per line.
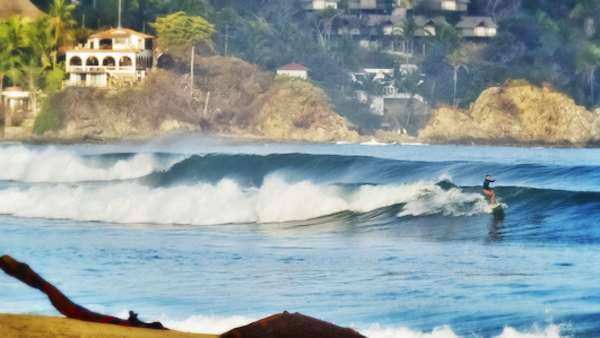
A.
pixel 99 69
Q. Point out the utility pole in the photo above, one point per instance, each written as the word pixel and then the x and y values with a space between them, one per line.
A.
pixel 119 13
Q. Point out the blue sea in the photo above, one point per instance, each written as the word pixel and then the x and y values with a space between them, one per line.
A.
pixel 206 234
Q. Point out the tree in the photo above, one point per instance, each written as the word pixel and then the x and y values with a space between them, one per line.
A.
pixel 501 9
pixel 177 32
pixel 256 35
pixel 588 11
pixel 345 52
pixel 16 42
pixel 407 28
pixel 588 61
pixel 41 43
pixel 323 26
pixel 446 37
pixel 457 60
pixel 60 19
pixel 226 19
pixel 411 84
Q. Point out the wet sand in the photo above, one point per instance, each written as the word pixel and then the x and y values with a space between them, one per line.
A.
pixel 30 326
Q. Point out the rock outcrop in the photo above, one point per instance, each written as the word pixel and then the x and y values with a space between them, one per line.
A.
pixel 297 110
pixel 522 115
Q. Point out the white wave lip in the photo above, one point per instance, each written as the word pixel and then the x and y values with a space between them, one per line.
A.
pixel 552 331
pixel 227 202
pixel 52 165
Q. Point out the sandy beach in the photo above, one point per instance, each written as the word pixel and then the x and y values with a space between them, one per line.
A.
pixel 30 326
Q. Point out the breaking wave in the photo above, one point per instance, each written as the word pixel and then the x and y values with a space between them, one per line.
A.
pixel 52 165
pixel 228 202
pixel 217 325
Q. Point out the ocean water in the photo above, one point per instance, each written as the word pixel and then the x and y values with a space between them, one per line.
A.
pixel 208 234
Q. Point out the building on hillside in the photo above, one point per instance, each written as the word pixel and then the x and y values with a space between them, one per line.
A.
pixel 116 57
pixel 379 103
pixel 377 6
pixel 316 5
pixel 426 26
pixel 477 27
pixel 16 103
pixel 450 5
pixel 293 70
pixel 22 8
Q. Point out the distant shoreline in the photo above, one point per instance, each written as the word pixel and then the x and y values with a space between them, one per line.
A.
pixel 43 140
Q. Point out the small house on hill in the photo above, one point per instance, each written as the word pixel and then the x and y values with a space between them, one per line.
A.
pixel 319 4
pixel 477 27
pixel 294 70
pixel 22 8
pixel 115 57
pixel 450 5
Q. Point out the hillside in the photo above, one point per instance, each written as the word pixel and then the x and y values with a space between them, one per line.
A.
pixel 230 96
pixel 23 8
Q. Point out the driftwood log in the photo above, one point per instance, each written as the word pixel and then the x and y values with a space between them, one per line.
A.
pixel 287 325
pixel 64 305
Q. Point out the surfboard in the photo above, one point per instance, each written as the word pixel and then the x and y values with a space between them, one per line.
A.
pixel 497 211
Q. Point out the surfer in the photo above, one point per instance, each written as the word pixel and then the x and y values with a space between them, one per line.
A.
pixel 487 190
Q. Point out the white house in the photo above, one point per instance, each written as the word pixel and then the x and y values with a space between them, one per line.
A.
pixel 16 101
pixel 319 4
pixel 293 70
pixel 115 57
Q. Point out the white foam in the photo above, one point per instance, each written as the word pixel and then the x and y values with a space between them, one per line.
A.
pixel 227 202
pixel 212 324
pixel 374 142
pixel 551 331
pixel 206 324
pixel 51 165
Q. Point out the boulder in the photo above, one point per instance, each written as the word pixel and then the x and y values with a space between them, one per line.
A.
pixel 288 325
pixel 522 114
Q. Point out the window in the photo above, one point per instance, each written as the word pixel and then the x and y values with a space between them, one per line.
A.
pixel 449 5
pixel 75 61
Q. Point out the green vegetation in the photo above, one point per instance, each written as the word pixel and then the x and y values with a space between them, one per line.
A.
pixel 50 118
pixel 554 42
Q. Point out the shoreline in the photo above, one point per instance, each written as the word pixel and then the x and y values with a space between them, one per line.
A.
pixel 30 326
pixel 41 140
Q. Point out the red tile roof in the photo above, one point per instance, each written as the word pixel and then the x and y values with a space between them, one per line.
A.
pixel 292 66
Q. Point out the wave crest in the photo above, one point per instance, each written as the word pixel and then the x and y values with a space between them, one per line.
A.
pixel 52 165
pixel 227 202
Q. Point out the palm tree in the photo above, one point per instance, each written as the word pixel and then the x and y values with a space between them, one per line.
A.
pixel 323 26
pixel 15 40
pixel 446 36
pixel 457 60
pixel 345 52
pixel 41 42
pixel 411 84
pixel 407 28
pixel 587 10
pixel 60 19
pixel 588 61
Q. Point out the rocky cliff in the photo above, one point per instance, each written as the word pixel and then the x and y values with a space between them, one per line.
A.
pixel 515 115
pixel 229 97
pixel 296 110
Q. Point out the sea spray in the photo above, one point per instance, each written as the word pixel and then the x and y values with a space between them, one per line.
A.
pixel 52 165
pixel 227 202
